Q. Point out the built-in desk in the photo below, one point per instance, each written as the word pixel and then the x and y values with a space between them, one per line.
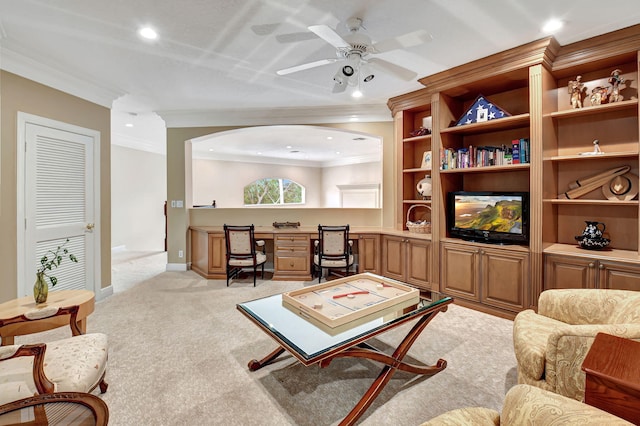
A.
pixel 290 250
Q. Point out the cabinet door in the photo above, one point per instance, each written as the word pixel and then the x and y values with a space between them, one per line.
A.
pixel 619 276
pixel 393 257
pixel 418 263
pixel 217 254
pixel 460 271
pixel 505 278
pixel 568 272
pixel 368 253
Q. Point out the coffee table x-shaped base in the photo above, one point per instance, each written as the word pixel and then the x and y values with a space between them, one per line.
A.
pixel 361 349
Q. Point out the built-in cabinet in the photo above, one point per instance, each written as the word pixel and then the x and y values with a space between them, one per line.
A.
pixel 407 259
pixel 368 253
pixel 494 277
pixel 584 272
pixel 531 83
pixel 291 257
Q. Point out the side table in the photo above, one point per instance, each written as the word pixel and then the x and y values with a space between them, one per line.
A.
pixel 612 368
pixel 85 299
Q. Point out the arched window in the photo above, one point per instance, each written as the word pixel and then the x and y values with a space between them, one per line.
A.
pixel 273 191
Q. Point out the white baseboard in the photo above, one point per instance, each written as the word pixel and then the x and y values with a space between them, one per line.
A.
pixel 176 267
pixel 104 293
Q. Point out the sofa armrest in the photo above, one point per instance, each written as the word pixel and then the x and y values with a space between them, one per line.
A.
pixel 567 349
pixel 525 404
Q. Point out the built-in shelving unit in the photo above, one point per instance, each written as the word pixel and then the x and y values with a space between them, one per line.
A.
pixel 529 82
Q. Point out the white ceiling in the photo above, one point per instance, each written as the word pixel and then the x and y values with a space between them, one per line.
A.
pixel 215 61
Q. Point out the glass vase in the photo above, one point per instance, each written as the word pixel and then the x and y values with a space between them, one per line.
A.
pixel 40 289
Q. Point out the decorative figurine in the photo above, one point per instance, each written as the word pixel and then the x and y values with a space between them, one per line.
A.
pixel 615 81
pixel 599 95
pixel 576 90
pixel 596 147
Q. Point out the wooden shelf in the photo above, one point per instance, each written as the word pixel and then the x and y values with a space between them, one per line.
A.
pixel 487 169
pixel 505 123
pixel 592 157
pixel 592 202
pixel 428 202
pixel 418 170
pixel 606 254
pixel 417 138
pixel 598 109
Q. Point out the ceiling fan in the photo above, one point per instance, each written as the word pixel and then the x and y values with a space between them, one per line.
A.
pixel 357 52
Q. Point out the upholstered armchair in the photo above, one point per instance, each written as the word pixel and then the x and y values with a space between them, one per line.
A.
pixel 530 405
pixel 551 345
pixel 74 364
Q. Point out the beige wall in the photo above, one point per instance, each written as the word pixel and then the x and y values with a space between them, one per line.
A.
pixel 178 163
pixel 138 193
pixel 19 94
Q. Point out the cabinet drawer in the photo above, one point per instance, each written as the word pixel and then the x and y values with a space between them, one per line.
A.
pixel 292 264
pixel 292 252
pixel 287 240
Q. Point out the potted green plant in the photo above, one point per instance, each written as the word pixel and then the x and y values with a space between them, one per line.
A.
pixel 50 261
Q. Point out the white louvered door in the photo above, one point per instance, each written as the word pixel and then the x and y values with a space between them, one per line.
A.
pixel 59 204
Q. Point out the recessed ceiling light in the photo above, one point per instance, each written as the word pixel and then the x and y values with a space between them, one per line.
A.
pixel 356 94
pixel 148 33
pixel 353 118
pixel 337 152
pixel 552 25
pixel 129 125
pixel 329 137
pixel 289 147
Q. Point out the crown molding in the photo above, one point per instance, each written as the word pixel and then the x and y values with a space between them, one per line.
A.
pixel 275 116
pixel 16 63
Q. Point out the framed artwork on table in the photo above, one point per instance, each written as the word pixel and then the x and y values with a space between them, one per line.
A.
pixel 426 160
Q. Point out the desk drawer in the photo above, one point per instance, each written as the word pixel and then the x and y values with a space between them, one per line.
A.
pixel 292 264
pixel 291 240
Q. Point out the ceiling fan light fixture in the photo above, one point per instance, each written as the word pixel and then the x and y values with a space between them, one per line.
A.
pixel 348 70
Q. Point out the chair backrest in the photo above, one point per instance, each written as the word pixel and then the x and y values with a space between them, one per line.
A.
pixel 333 242
pixel 240 241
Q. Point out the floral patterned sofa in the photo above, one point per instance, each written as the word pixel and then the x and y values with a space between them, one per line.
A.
pixel 530 405
pixel 551 345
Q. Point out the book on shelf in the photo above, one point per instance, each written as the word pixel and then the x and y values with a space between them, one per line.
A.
pixel 485 156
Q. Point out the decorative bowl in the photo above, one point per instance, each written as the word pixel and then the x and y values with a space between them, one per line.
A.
pixel 592 243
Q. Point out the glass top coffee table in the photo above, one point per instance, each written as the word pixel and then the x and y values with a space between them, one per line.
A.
pixel 310 342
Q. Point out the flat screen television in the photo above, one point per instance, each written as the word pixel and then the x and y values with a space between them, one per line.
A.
pixel 489 217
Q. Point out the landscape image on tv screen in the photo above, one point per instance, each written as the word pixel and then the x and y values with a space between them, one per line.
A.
pixel 498 213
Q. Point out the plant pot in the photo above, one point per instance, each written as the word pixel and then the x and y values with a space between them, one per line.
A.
pixel 40 289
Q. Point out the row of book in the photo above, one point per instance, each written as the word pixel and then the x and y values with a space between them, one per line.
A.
pixel 485 156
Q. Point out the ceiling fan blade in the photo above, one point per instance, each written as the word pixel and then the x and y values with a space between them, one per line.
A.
pixel 306 66
pixel 405 41
pixel 397 70
pixel 295 37
pixel 330 36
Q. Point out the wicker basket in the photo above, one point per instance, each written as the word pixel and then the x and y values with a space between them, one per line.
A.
pixel 418 227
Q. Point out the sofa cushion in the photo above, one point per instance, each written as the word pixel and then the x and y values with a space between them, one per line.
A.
pixel 476 416
pixel 529 405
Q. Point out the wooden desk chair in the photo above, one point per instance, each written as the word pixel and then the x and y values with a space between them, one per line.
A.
pixel 74 364
pixel 241 251
pixel 332 249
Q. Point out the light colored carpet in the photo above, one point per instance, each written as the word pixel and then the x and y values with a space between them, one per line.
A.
pixel 179 351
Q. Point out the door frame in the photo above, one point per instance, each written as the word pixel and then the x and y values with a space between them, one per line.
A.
pixel 22 120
